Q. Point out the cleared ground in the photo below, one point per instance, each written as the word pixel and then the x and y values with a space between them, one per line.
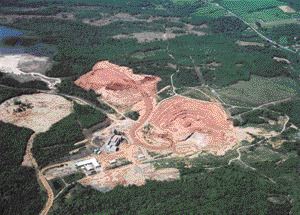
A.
pixel 129 175
pixel 118 85
pixel 28 67
pixel 287 9
pixel 259 90
pixel 37 112
pixel 179 125
pixel 190 125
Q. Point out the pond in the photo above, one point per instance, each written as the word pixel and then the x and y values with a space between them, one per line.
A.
pixel 9 32
pixel 38 49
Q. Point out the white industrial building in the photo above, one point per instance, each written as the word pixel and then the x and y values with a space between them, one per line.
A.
pixel 88 166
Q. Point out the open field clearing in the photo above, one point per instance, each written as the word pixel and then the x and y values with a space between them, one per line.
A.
pixel 37 112
pixel 129 175
pixel 125 17
pixel 259 90
pixel 245 43
pixel 29 66
pixel 107 19
pixel 287 9
pixel 148 36
pixel 211 10
pixel 24 63
pixel 261 11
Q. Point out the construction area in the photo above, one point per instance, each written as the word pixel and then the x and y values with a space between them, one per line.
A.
pixel 176 126
pixel 29 111
pixel 125 151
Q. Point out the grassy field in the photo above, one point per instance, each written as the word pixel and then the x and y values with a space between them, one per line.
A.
pixel 182 2
pixel 210 10
pixel 260 90
pixel 258 11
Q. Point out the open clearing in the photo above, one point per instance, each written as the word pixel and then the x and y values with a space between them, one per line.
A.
pixel 24 63
pixel 129 175
pixel 178 126
pixel 29 66
pixel 30 111
pixel 191 126
pixel 143 37
pixel 259 90
pixel 118 85
pixel 244 43
pixel 287 9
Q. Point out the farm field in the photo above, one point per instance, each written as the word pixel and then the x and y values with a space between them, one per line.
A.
pixel 261 11
pixel 259 90
pixel 211 10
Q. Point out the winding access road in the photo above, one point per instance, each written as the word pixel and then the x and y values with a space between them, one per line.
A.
pixel 42 179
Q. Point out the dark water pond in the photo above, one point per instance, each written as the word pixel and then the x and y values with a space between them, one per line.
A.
pixel 38 49
pixel 9 32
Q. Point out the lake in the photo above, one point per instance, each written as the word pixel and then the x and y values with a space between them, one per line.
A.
pixel 38 49
pixel 8 32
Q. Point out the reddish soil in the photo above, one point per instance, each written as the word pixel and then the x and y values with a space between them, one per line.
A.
pixel 177 125
pixel 129 175
pixel 203 125
pixel 180 125
pixel 118 85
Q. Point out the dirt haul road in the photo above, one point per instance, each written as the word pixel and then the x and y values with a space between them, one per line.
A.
pixel 105 74
pixel 41 178
pixel 205 124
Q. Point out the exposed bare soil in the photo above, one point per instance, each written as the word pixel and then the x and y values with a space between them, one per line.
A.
pixel 287 9
pixel 189 125
pixel 133 174
pixel 124 17
pixel 25 63
pixel 244 43
pixel 279 59
pixel 143 37
pixel 118 85
pixel 169 33
pixel 43 111
pixel 28 67
pixel 178 125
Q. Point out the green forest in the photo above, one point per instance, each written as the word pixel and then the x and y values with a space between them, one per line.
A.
pixel 225 190
pixel 54 145
pixel 19 188
pixel 88 116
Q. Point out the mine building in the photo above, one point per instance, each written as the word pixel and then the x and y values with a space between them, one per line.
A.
pixel 113 143
pixel 88 166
